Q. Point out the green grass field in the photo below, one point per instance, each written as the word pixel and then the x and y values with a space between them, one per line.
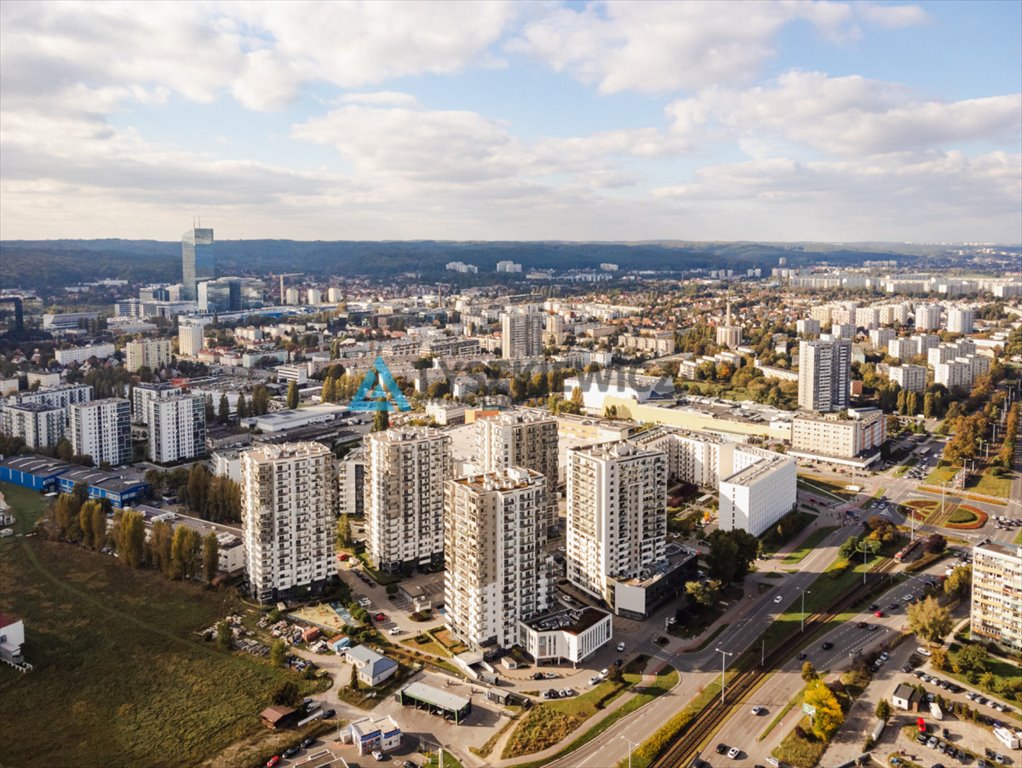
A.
pixel 942 473
pixel 27 506
pixel 807 546
pixel 118 666
pixel 993 486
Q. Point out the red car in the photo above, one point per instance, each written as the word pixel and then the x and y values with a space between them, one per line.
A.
pixel 879 614
pixel 272 761
pixel 921 725
pixel 380 617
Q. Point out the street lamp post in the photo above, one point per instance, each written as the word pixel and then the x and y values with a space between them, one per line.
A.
pixel 723 661
pixel 631 746
pixel 803 627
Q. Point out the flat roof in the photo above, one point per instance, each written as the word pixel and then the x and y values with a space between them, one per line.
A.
pixel 1005 550
pixel 572 620
pixel 36 465
pixel 427 694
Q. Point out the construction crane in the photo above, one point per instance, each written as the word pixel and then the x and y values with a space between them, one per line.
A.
pixel 282 276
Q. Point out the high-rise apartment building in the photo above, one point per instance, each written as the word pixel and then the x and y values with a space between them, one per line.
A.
pixel 927 317
pixel 997 595
pixel 808 326
pixel 405 473
pixel 960 319
pixel 143 392
pixel 288 517
pixel 40 425
pixel 617 515
pixel 521 334
pixel 824 370
pixel 760 491
pixel 151 353
pixel 911 378
pixel 522 439
pixel 102 429
pixel 190 337
pixel 61 396
pixel 493 553
pixel 197 261
pixel 177 427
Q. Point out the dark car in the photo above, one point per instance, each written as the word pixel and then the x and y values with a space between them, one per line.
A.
pixel 722 749
pixel 308 743
pixel 873 606
pixel 329 713
pixel 802 656
pixel 292 751
pixel 408 764
pixel 827 646
pixel 862 625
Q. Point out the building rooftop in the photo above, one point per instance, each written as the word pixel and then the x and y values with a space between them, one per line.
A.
pixel 575 621
pixel 34 407
pixel 36 465
pixel 500 480
pixel 768 462
pixel 1004 550
pixel 435 696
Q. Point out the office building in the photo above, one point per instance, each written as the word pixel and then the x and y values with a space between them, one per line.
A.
pixel 911 378
pixel 230 294
pixel 521 334
pixel 81 354
pixel 495 565
pixel 617 516
pixel 191 336
pixel 960 319
pixel 405 473
pixel 927 317
pixel 759 493
pixel 728 335
pixel 40 425
pixel 197 261
pixel 525 439
pixel 177 427
pixel 997 595
pixel 824 371
pixel 102 429
pixel 288 518
pixel 153 354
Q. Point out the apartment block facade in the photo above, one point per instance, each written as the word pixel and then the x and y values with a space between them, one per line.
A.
pixel 288 518
pixel 40 425
pixel 521 334
pixel 824 371
pixel 102 429
pixel 617 515
pixel 496 576
pixel 405 472
pixel 761 491
pixel 151 353
pixel 997 594
pixel 911 378
pixel 177 428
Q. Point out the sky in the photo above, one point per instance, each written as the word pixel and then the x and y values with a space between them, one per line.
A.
pixel 621 121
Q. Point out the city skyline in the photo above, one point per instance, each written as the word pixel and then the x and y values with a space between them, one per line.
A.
pixel 580 121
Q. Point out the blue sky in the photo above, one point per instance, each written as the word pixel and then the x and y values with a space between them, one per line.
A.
pixel 604 121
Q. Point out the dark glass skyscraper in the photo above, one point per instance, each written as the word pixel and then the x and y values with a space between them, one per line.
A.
pixel 197 261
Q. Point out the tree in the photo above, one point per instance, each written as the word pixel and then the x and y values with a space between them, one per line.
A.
pixel 329 393
pixel 223 410
pixel 704 594
pixel 223 636
pixel 883 710
pixel 934 543
pixel 131 538
pixel 64 450
pixel 278 653
pixel 292 395
pixel 576 399
pixel 260 400
pixel 198 488
pixel 210 556
pixel 209 409
pixel 98 522
pixel 381 421
pixel 809 671
pixel 959 582
pixel 722 558
pixel 938 658
pixel 971 658
pixel 828 716
pixel 85 523
pixel 160 546
pixel 288 694
pixel 929 619
pixel 180 564
pixel 343 531
pixel 242 407
pixel 929 409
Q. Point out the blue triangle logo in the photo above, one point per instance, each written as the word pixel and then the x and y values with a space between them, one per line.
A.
pixel 379 392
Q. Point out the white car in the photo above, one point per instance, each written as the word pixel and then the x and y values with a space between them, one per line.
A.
pixel 377 754
pixel 620 646
pixel 395 631
pixel 757 710
pixel 733 753
pixel 779 598
pixel 923 651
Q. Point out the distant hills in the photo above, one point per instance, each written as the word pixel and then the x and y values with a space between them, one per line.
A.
pixel 48 264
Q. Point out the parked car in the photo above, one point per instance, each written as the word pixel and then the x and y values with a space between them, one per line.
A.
pixel 273 761
pixel 758 710
pixel 922 651
pixel 722 749
pixel 620 646
pixel 377 755
pixel 733 753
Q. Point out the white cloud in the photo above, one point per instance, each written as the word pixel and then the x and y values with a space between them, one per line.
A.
pixel 848 116
pixel 657 47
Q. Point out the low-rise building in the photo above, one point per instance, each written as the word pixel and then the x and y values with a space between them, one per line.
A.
pixel 569 634
pixel 371 668
pixel 369 735
pixel 81 354
pixel 12 638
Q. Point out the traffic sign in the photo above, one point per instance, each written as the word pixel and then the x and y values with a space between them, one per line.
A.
pixel 809 709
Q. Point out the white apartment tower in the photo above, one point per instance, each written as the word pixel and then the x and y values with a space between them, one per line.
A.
pixel 493 553
pixel 40 425
pixel 287 494
pixel 521 334
pixel 997 594
pixel 405 471
pixel 177 427
pixel 102 429
pixel 151 353
pixel 617 515
pixel 190 338
pixel 525 439
pixel 911 378
pixel 927 317
pixel 759 493
pixel 824 370
pixel 960 319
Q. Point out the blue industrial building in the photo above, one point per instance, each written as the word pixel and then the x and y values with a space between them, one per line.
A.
pixel 52 475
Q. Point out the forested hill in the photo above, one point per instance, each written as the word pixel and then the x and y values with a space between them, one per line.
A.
pixel 55 263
